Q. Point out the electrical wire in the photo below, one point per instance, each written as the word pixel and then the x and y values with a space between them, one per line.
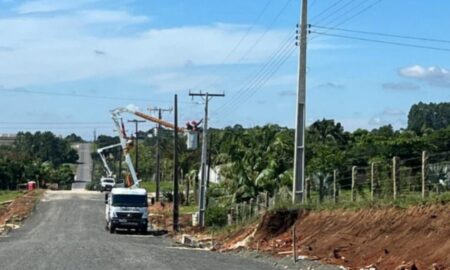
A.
pixel 252 90
pixel 252 79
pixel 261 37
pixel 382 34
pixel 244 36
pixel 383 41
pixel 351 17
pixel 25 91
pixel 326 10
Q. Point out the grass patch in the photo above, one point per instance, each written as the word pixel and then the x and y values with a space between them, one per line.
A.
pixel 6 195
pixel 189 209
pixel 165 186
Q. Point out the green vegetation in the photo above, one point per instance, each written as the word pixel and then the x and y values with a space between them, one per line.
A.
pixel 216 216
pixel 41 157
pixel 9 195
pixel 165 186
pixel 428 117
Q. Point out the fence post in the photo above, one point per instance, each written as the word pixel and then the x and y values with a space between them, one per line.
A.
pixel 267 200
pixel 353 197
pixel 424 172
pixel 252 203
pixel 334 186
pixel 394 177
pixel 258 202
pixel 294 244
pixel 308 190
pixel 372 182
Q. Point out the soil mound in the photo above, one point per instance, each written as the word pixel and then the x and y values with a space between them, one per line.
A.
pixel 385 238
pixel 274 224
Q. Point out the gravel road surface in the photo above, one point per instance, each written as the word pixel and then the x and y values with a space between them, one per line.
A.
pixel 67 232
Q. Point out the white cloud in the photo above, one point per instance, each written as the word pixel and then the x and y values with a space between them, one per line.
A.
pixel 433 75
pixel 64 47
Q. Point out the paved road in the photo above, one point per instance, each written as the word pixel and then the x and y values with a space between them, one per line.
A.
pixel 84 165
pixel 67 232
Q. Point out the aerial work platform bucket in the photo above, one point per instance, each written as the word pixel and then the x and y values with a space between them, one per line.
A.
pixel 192 139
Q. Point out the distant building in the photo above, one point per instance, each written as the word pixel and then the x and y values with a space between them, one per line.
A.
pixel 214 175
pixel 7 139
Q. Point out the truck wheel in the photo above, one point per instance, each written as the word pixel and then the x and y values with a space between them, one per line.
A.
pixel 112 229
pixel 143 229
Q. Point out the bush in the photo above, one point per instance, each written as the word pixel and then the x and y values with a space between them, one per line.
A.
pixel 216 216
pixel 92 185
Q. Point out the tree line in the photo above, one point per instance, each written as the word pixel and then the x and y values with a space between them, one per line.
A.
pixel 39 156
pixel 260 159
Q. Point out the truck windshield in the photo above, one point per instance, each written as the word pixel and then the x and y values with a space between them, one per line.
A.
pixel 129 200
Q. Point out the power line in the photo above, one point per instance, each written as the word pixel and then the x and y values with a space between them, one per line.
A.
pixel 25 91
pixel 261 37
pixel 53 123
pixel 382 34
pixel 354 15
pixel 265 32
pixel 244 36
pixel 383 41
pixel 252 89
pixel 338 14
pixel 338 10
pixel 326 10
pixel 253 78
pixel 359 13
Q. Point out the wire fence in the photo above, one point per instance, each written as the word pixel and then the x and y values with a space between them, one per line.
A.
pixel 409 180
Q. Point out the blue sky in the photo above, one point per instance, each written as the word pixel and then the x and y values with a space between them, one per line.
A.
pixel 115 53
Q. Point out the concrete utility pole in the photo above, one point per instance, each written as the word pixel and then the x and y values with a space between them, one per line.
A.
pixel 299 157
pixel 158 150
pixel 136 123
pixel 202 187
pixel 176 200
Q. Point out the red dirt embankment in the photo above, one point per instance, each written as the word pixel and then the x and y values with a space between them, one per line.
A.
pixel 20 208
pixel 385 238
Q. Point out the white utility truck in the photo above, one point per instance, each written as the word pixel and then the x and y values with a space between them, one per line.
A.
pixel 109 181
pixel 126 208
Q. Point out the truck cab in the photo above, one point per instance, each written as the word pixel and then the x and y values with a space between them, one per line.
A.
pixel 126 208
pixel 107 183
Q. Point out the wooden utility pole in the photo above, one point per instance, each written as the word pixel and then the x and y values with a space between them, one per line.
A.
pixel 203 167
pixel 136 126
pixel 299 156
pixel 176 198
